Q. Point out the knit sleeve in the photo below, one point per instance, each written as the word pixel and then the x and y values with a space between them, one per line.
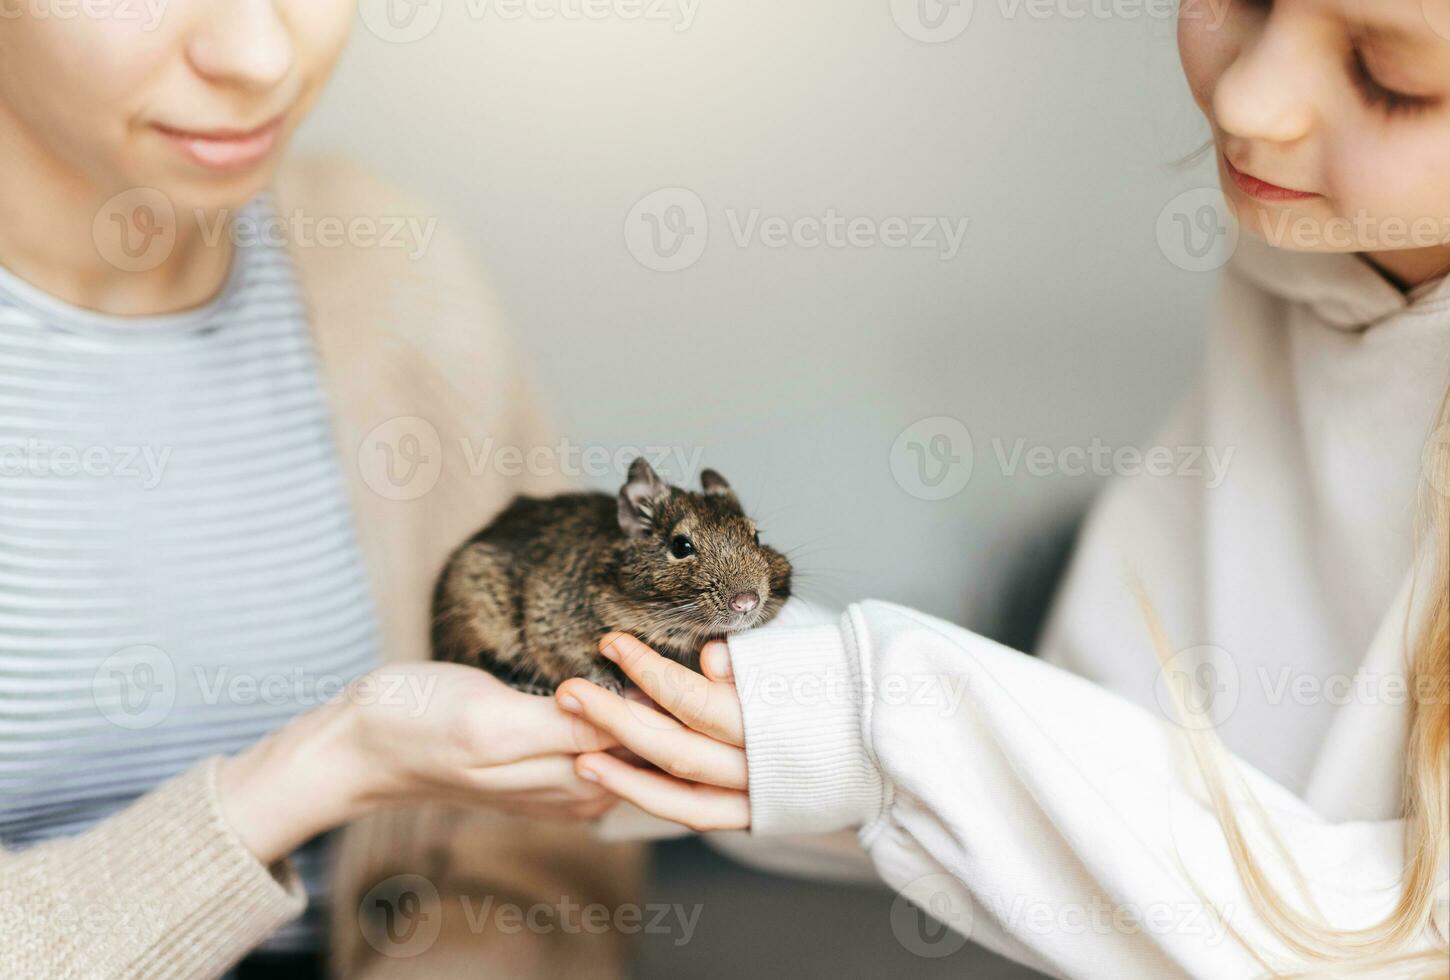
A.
pixel 165 889
pixel 1039 814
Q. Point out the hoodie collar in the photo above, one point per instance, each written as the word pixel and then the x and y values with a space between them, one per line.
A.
pixel 1341 288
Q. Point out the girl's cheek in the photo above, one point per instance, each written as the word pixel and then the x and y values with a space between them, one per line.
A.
pixel 1397 170
pixel 1209 38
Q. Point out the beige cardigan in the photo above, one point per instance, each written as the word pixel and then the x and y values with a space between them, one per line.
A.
pixel 165 889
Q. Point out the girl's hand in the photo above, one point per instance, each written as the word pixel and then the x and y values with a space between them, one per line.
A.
pixel 410 734
pixel 703 782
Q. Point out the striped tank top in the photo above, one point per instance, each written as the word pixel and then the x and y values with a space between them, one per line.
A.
pixel 179 573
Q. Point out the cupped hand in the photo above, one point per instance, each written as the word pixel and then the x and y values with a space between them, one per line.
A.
pixel 697 741
pixel 411 734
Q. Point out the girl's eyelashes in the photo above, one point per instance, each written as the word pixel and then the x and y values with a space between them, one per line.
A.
pixel 1379 96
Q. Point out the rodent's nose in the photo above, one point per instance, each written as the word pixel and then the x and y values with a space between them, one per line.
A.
pixel 744 602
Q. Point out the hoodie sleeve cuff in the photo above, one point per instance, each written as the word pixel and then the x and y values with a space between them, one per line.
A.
pixel 805 730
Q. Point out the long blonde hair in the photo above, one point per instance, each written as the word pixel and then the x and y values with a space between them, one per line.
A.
pixel 1381 947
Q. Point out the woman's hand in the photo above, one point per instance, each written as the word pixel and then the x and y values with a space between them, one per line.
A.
pixel 700 749
pixel 409 734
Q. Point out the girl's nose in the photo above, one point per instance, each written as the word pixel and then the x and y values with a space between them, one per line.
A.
pixel 1266 94
pixel 243 42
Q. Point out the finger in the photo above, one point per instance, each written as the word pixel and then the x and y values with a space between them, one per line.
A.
pixel 715 662
pixel 549 774
pixel 656 737
pixel 701 808
pixel 536 727
pixel 706 707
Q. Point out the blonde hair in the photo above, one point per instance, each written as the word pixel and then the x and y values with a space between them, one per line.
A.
pixel 1320 948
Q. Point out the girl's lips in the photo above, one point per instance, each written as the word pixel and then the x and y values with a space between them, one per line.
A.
pixel 225 151
pixel 1262 189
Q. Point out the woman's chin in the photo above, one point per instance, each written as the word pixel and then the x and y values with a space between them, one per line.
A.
pixel 193 189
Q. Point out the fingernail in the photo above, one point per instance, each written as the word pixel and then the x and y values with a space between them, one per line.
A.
pixel 571 704
pixel 589 775
pixel 718 662
pixel 611 650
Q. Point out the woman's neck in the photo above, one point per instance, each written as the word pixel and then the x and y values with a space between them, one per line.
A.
pixel 126 254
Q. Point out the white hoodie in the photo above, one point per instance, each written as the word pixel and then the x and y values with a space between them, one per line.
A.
pixel 1049 808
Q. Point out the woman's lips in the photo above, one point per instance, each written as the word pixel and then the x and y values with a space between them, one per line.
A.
pixel 1262 189
pixel 225 150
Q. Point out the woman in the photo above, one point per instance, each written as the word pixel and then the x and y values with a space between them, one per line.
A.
pixel 1049 809
pixel 230 424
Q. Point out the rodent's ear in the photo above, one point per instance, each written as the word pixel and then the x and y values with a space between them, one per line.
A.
pixel 638 499
pixel 716 486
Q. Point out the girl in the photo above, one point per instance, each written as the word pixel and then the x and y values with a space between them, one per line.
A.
pixel 1050 810
pixel 228 474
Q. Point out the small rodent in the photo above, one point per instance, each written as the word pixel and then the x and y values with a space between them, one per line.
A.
pixel 529 597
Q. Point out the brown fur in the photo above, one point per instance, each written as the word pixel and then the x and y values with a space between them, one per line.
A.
pixel 529 596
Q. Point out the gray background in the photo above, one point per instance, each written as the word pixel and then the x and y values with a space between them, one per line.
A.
pixel 1060 322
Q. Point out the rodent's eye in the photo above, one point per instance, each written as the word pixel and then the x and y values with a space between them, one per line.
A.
pixel 682 547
